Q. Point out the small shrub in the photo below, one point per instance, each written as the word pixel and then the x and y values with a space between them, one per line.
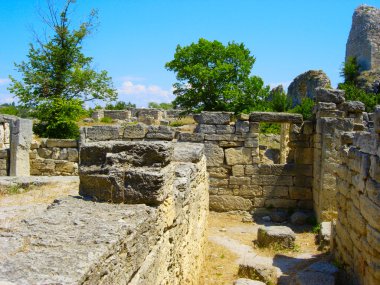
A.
pixel 305 108
pixel 182 122
pixel 350 70
pixel 316 228
pixel 353 93
pixel 106 120
pixel 270 128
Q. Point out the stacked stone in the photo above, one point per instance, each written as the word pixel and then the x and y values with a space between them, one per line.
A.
pixel 52 157
pixel 334 116
pixel 4 162
pixel 4 147
pixel 356 235
pixel 113 114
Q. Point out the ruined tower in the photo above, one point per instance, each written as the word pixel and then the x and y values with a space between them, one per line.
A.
pixel 364 39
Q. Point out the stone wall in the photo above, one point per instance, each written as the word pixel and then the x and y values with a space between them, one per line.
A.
pixel 80 241
pixel 51 157
pixel 4 147
pixel 238 180
pixel 357 230
pixel 334 117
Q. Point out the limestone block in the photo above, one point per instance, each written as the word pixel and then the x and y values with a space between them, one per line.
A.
pixel 118 114
pixel 213 118
pixel 243 117
pixel 251 169
pixel 251 142
pixel 322 106
pixel 225 137
pixel 214 154
pixel 248 191
pixel 318 273
pixel 35 144
pixel 370 211
pixel 272 180
pixel 218 182
pixel 254 128
pixel 245 281
pixel 56 152
pixel 61 143
pixel 21 139
pixel 137 131
pixel 238 170
pixel 352 107
pixel 329 95
pixel 4 153
pixel 242 127
pixel 227 203
pixel 280 203
pixel 218 172
pixel 299 218
pixel 240 155
pixel 274 117
pixel 230 143
pixel 191 137
pixel 275 235
pixel 240 180
pixel 33 154
pixel 73 154
pixel 330 114
pixel 276 191
pixel 3 164
pixel 258 202
pixel 205 129
pixel 102 133
pixel 160 133
pixel 258 271
pixel 366 142
pixel 356 220
pixel 225 129
pixel 44 152
pixel 188 152
pixel 300 193
pixel 373 190
pixel 65 166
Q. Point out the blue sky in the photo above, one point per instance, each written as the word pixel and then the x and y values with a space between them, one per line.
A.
pixel 136 38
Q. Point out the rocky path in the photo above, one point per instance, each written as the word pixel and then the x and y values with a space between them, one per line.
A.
pixel 227 233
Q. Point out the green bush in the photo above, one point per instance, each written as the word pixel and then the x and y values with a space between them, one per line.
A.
pixel 120 105
pixel 353 93
pixel 270 128
pixel 350 70
pixel 305 108
pixel 280 102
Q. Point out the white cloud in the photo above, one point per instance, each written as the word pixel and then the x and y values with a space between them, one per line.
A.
pixel 4 81
pixel 142 94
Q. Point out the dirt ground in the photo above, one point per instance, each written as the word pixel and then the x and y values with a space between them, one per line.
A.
pixel 231 241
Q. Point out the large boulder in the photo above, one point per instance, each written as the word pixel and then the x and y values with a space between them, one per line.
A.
pixel 364 41
pixel 304 85
pixel 369 80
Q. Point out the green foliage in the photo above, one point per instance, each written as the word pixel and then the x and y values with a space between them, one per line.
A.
pixel 214 77
pixel 58 75
pixel 120 105
pixel 305 108
pixel 12 109
pixel 164 106
pixel 106 120
pixel 58 118
pixel 316 228
pixel 280 102
pixel 350 70
pixel 353 93
pixel 269 128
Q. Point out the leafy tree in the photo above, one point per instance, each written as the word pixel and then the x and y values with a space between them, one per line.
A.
pixel 59 75
pixel 164 106
pixel 353 93
pixel 350 70
pixel 305 108
pixel 280 102
pixel 120 105
pixel 214 77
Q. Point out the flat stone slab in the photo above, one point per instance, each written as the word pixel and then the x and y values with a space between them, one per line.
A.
pixel 74 239
pixel 276 236
pixel 318 273
pixel 274 117
pixel 258 271
pixel 245 281
pixel 213 118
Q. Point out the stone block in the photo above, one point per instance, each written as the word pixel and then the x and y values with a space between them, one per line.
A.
pixel 73 155
pixel 245 281
pixel 4 153
pixel 239 155
pixel 240 180
pixel 102 133
pixel 352 107
pixel 329 95
pixel 205 129
pixel 248 191
pixel 66 166
pixel 299 218
pixel 303 181
pixel 376 119
pixel 63 155
pixel 321 106
pixel 218 172
pixel 225 203
pixel 191 137
pixel 318 273
pixel 370 211
pixel 275 236
pixel 137 131
pixel 243 117
pixel 61 143
pixel 118 114
pixel 213 118
pixel 258 271
pixel 300 193
pixel 329 125
pixel 276 191
pixel 252 169
pixel 274 117
pixel 214 154
pixel 160 133
pixel 44 152
pixel 225 137
pixel 188 152
pixel 225 129
pixel 254 128
pixel 366 142
pixel 238 170
pixel 373 190
pixel 273 180
pixel 217 182
pixel 242 127
pixel 251 142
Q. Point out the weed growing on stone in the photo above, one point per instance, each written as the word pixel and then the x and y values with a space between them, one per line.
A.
pixel 106 120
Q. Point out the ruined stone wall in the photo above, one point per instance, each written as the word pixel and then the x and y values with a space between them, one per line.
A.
pixel 51 157
pixel 357 230
pixel 334 117
pixel 364 39
pixel 4 147
pixel 238 180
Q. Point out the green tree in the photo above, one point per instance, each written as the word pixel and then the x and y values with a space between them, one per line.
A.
pixel 280 102
pixel 350 70
pixel 59 75
pixel 164 106
pixel 120 105
pixel 214 77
